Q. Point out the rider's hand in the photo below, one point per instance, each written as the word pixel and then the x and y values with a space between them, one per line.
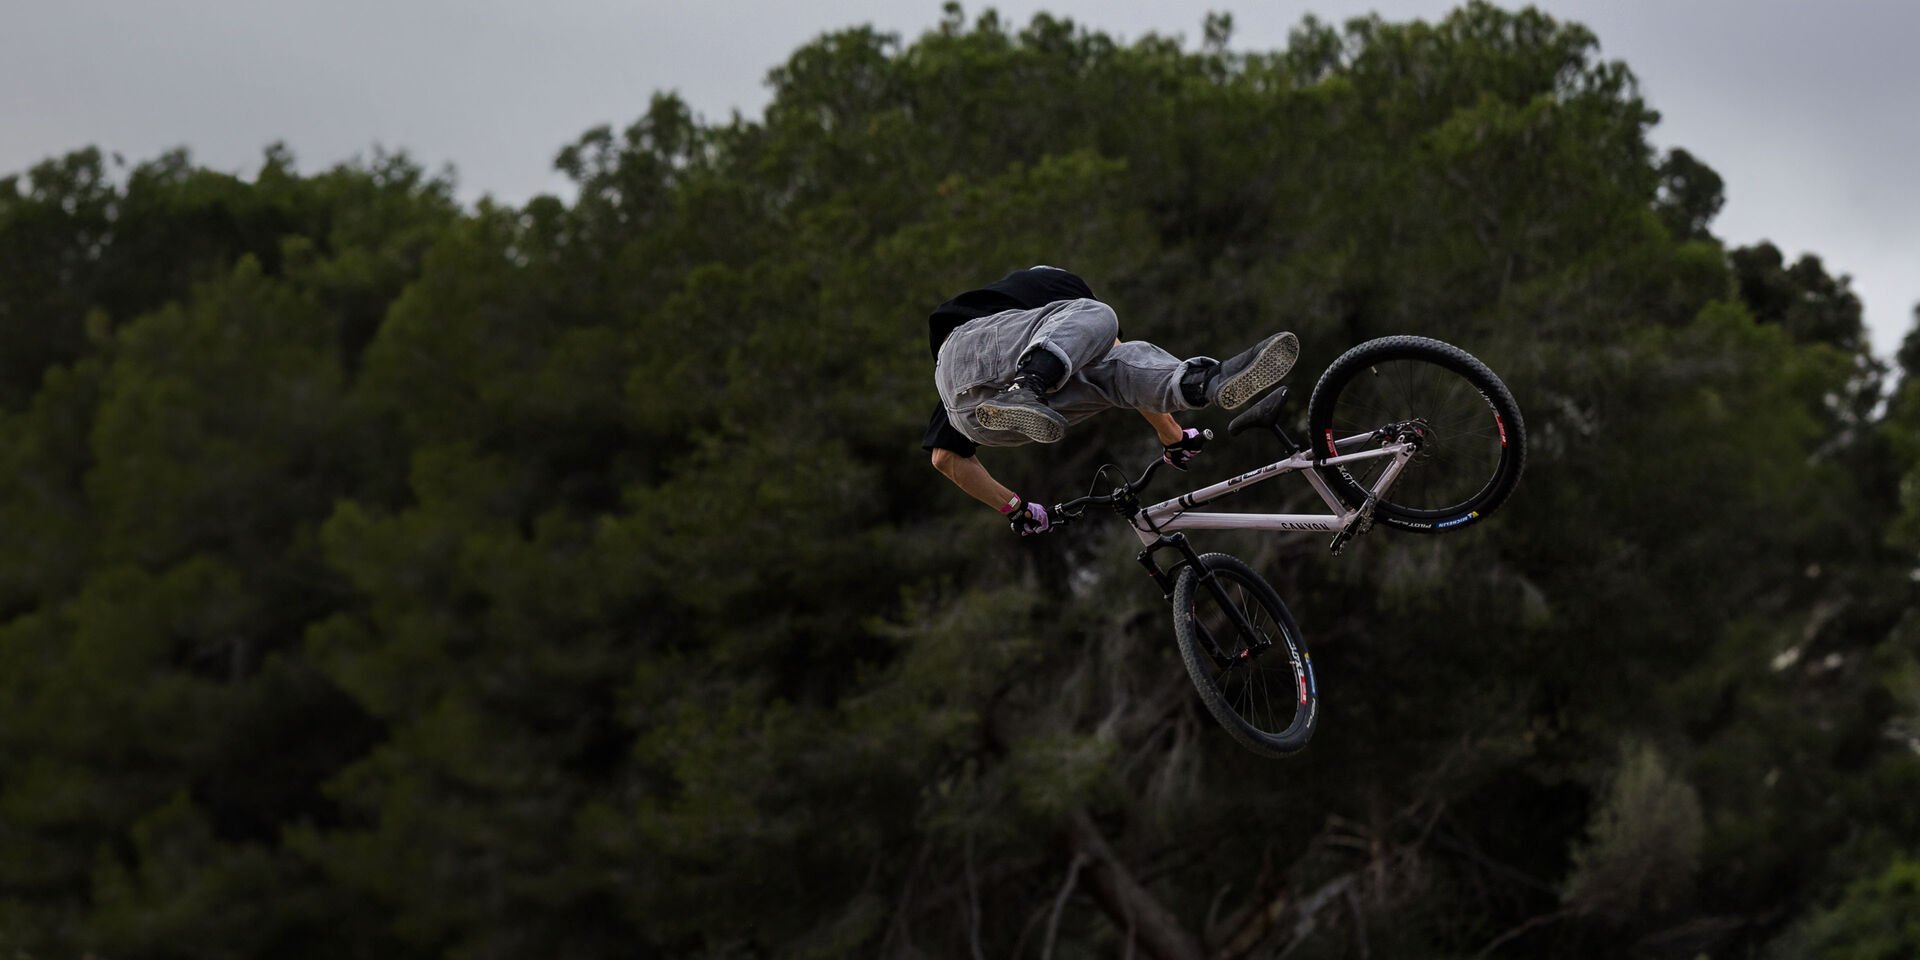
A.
pixel 1029 518
pixel 1182 452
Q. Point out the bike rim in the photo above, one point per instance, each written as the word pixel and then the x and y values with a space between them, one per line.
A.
pixel 1261 678
pixel 1463 438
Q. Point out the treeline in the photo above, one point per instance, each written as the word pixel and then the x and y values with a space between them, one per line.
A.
pixel 382 577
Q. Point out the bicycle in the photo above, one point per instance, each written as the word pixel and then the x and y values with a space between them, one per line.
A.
pixel 1408 432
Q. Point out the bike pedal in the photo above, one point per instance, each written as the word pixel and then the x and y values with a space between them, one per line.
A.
pixel 1338 543
pixel 1362 522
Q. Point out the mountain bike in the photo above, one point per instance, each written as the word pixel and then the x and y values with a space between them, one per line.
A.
pixel 1404 432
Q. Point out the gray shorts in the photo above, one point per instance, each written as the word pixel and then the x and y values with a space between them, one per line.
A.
pixel 981 356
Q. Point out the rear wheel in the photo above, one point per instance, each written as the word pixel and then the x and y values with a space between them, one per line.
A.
pixel 1245 655
pixel 1471 440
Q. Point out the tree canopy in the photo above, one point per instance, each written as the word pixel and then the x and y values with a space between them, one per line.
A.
pixel 383 576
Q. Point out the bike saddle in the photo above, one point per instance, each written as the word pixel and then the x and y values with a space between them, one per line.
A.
pixel 1266 413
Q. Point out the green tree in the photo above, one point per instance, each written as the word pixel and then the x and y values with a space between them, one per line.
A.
pixel 1875 919
pixel 380 577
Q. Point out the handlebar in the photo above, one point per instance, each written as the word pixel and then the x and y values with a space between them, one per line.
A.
pixel 1073 509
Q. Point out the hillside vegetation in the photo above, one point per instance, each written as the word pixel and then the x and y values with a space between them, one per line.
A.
pixel 382 576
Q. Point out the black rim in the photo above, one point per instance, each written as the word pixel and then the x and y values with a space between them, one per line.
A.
pixel 1258 676
pixel 1463 439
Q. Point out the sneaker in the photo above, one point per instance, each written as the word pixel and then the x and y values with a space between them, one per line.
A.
pixel 1254 370
pixel 1019 408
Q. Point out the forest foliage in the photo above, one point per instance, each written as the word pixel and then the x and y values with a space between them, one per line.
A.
pixel 382 576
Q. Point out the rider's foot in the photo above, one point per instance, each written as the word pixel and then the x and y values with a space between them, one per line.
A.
pixel 1245 376
pixel 1021 409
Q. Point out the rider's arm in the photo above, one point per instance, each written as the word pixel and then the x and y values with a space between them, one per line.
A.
pixel 1164 426
pixel 969 475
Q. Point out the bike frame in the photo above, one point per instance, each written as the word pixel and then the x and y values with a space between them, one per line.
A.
pixel 1160 526
pixel 1170 516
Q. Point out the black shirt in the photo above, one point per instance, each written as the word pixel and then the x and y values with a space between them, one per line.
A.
pixel 1019 290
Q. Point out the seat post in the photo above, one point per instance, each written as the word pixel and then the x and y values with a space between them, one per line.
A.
pixel 1286 439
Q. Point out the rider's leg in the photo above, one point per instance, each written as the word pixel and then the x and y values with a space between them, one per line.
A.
pixel 1066 337
pixel 1250 372
pixel 1073 332
pixel 1042 371
pixel 1098 374
pixel 1142 376
pixel 1135 375
pixel 1041 347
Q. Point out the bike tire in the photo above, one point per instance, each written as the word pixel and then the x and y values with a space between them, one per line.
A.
pixel 1473 438
pixel 1236 688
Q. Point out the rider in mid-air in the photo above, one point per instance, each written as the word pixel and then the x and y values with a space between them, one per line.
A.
pixel 1025 356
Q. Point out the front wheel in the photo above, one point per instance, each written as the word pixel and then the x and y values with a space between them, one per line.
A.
pixel 1245 655
pixel 1471 442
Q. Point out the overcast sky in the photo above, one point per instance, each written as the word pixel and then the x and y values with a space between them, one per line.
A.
pixel 1807 109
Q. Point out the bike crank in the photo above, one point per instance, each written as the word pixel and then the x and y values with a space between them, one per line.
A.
pixel 1361 523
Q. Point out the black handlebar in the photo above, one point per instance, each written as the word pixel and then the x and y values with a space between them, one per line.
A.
pixel 1072 509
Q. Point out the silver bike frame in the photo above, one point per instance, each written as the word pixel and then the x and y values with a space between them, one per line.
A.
pixel 1169 516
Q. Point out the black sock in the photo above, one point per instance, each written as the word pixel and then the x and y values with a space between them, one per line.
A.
pixel 1193 381
pixel 1041 371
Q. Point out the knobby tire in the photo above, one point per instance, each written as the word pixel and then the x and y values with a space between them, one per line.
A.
pixel 1268 701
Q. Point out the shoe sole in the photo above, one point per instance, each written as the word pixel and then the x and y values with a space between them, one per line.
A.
pixel 1025 421
pixel 1273 364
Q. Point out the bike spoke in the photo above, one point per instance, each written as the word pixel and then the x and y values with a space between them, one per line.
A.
pixel 1257 687
pixel 1463 446
pixel 1248 678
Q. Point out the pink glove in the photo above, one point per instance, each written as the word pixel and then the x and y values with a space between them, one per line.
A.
pixel 1183 451
pixel 1029 518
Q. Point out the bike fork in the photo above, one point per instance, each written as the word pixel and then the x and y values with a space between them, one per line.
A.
pixel 1165 578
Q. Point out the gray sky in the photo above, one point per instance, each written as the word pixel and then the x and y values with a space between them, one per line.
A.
pixel 1808 110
